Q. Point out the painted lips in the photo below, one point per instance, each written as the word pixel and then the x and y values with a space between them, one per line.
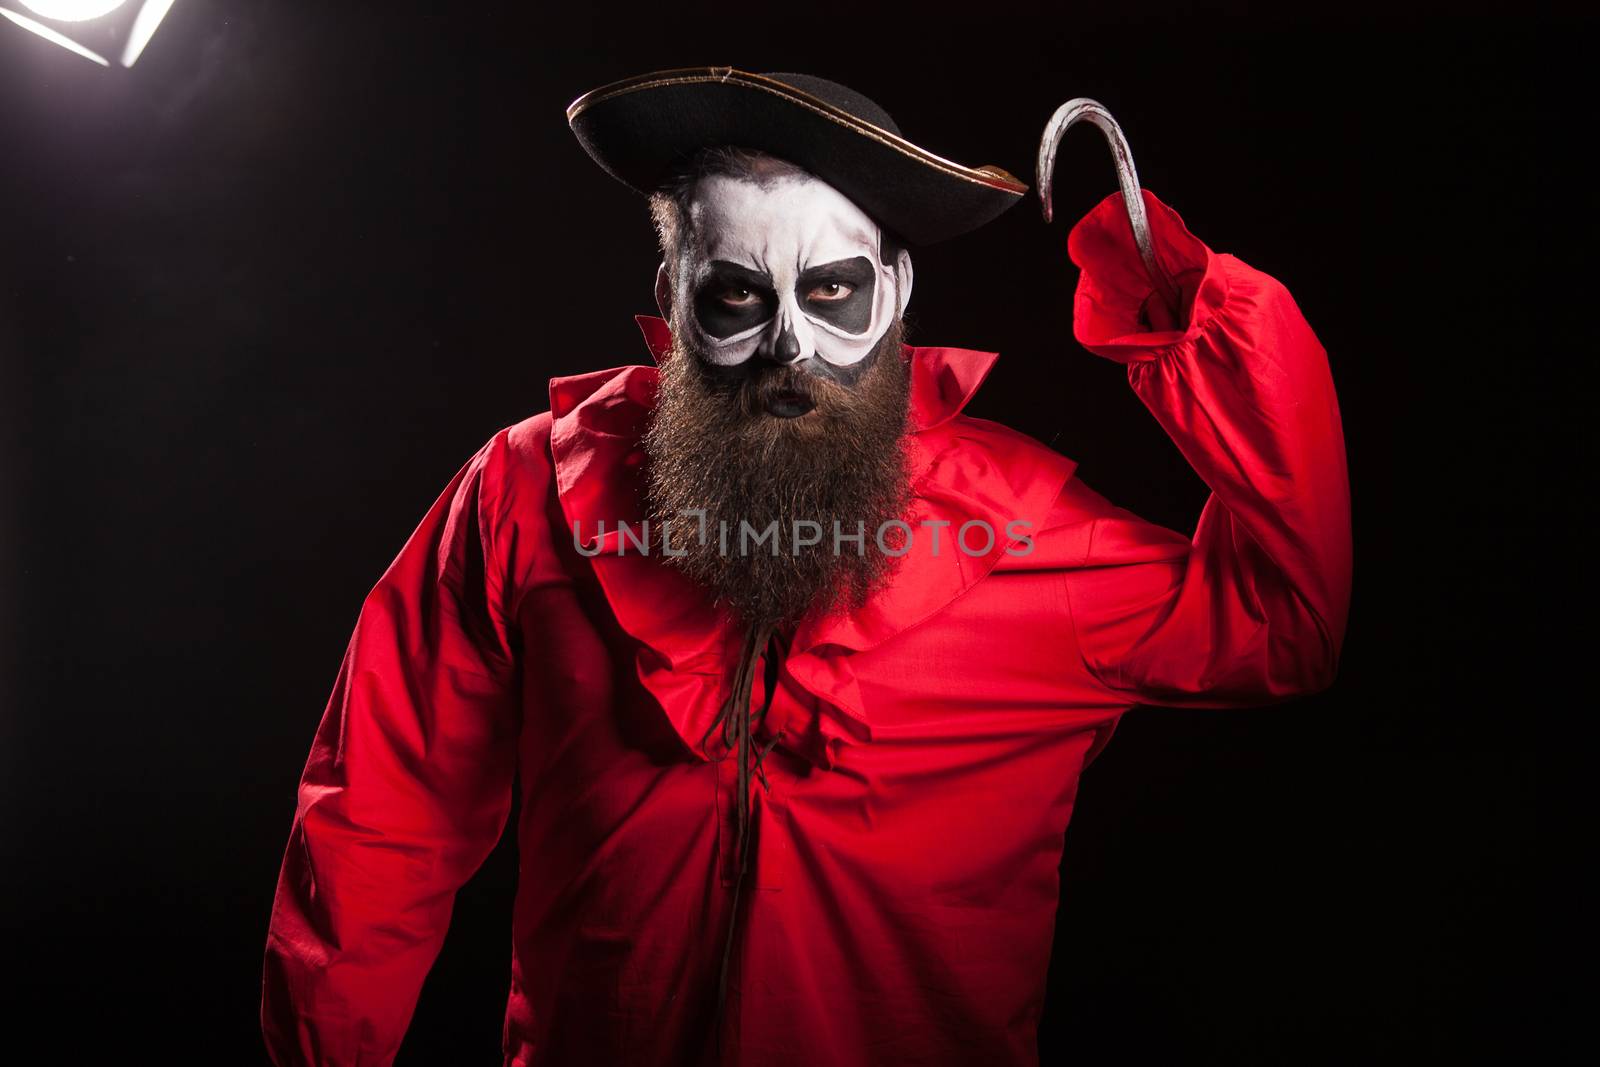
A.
pixel 789 404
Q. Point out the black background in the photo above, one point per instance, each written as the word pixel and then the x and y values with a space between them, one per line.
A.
pixel 264 293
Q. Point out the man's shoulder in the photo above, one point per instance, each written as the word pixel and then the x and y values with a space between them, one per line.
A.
pixel 587 409
pixel 1076 507
pixel 528 441
pixel 1005 461
pixel 1005 444
pixel 512 471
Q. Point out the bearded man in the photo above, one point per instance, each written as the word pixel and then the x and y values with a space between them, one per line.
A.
pixel 797 665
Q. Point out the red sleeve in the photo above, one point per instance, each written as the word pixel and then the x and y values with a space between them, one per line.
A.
pixel 1252 608
pixel 406 791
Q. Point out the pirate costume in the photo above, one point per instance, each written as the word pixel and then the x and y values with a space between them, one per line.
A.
pixel 852 830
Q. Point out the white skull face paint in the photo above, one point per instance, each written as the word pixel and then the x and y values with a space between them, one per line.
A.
pixel 787 270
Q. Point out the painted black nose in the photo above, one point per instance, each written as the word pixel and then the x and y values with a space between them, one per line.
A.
pixel 786 349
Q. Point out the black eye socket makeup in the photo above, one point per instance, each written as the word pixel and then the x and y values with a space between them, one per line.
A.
pixel 753 299
pixel 851 309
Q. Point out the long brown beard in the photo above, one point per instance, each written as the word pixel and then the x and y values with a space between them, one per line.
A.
pixel 713 448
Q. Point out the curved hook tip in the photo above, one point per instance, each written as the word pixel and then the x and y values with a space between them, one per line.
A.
pixel 1080 109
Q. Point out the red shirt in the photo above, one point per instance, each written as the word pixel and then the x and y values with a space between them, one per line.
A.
pixel 903 880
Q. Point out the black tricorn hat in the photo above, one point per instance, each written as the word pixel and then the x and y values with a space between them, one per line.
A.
pixel 636 129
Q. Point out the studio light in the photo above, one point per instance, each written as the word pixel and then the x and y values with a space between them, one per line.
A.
pixel 72 10
pixel 88 24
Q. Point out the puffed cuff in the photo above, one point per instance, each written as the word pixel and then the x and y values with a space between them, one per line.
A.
pixel 1113 288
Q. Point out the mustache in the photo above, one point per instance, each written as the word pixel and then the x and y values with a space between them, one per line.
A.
pixel 756 393
pixel 748 395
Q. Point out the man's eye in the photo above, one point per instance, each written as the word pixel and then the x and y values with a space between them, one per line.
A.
pixel 829 292
pixel 739 298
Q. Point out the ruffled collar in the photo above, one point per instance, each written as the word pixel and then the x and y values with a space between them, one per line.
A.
pixel 685 645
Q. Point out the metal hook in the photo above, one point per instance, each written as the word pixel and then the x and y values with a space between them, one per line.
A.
pixel 1083 109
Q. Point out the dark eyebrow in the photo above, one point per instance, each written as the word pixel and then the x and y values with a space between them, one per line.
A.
pixel 732 273
pixel 856 271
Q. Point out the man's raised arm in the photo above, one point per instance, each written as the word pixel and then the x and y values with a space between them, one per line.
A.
pixel 1252 608
pixel 406 791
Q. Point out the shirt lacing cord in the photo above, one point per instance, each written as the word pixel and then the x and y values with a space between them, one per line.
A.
pixel 738 725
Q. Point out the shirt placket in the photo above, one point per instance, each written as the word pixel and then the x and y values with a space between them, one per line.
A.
pixel 769 851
